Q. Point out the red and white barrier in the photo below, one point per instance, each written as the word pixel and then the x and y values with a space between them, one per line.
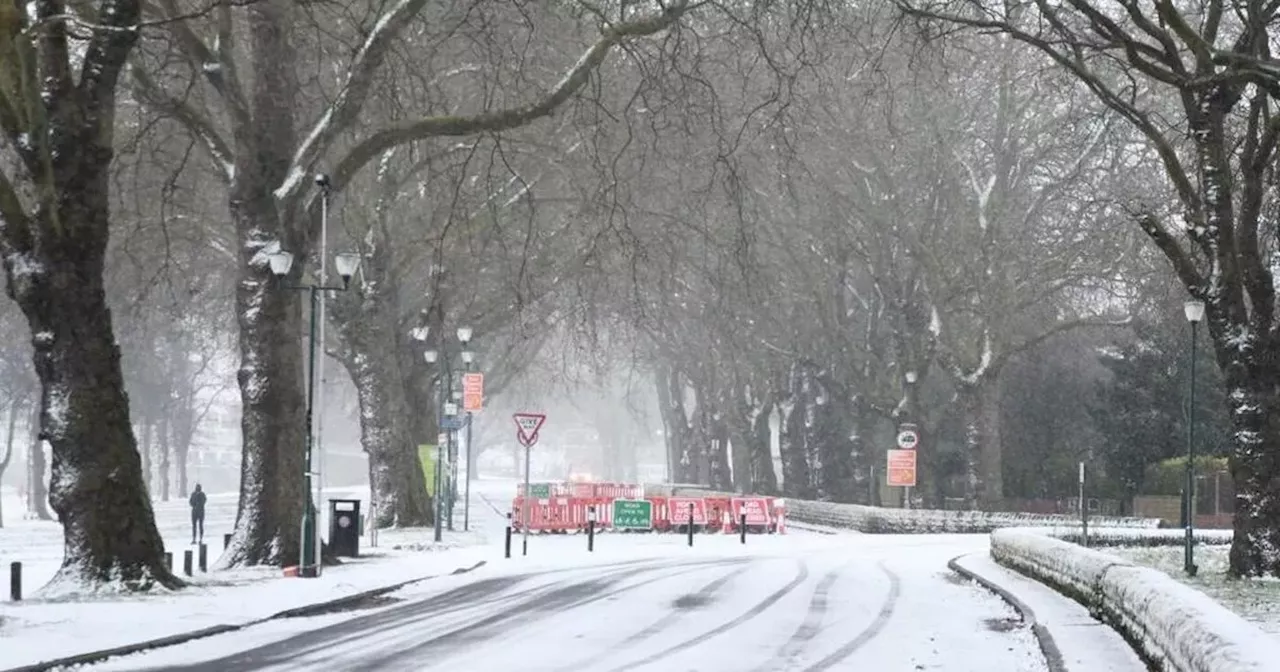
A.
pixel 568 507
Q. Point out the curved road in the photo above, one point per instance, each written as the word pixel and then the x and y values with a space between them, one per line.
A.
pixel 808 604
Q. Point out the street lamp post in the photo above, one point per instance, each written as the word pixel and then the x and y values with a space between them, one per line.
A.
pixel 431 356
pixel 456 398
pixel 1194 311
pixel 447 484
pixel 467 358
pixel 281 263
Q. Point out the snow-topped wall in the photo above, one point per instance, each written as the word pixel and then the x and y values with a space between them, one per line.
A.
pixel 877 520
pixel 1176 627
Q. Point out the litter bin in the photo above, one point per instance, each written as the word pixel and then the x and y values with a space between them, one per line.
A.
pixel 344 527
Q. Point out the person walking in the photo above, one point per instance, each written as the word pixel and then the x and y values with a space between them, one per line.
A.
pixel 198 499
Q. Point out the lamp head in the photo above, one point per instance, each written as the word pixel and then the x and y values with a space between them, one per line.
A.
pixel 1194 310
pixel 464 334
pixel 430 356
pixel 280 262
pixel 347 263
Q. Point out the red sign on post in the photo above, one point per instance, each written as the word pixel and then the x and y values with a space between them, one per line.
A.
pixel 678 510
pixel 902 468
pixel 473 392
pixel 756 508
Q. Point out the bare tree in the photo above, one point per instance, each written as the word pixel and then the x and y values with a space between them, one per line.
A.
pixel 55 203
pixel 1193 80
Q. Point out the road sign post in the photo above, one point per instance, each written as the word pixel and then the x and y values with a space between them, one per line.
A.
pixel 632 514
pixel 527 425
pixel 908 440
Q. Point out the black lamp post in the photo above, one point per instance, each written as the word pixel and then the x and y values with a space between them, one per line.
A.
pixel 1194 311
pixel 281 263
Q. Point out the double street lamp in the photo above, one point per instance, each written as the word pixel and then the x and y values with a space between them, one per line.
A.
pixel 448 408
pixel 1194 311
pixel 281 263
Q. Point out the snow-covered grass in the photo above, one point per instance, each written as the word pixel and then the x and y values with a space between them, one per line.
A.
pixel 38 629
pixel 1256 600
pixel 1177 627
pixel 878 520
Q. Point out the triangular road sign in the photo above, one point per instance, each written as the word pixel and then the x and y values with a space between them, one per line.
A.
pixel 528 424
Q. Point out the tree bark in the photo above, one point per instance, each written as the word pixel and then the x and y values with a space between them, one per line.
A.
pixel 273 417
pixel 97 486
pixel 37 494
pixel 15 408
pixel 145 452
pixel 164 447
pixel 395 471
pixel 980 404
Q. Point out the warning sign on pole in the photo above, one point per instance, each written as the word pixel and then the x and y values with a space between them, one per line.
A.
pixel 527 425
pixel 902 468
pixel 473 392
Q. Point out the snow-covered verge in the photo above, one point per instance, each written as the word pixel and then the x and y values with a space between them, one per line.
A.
pixel 877 520
pixel 1176 627
pixel 1256 600
pixel 39 629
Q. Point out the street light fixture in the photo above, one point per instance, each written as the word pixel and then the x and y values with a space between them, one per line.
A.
pixel 468 357
pixel 430 356
pixel 1194 312
pixel 464 335
pixel 281 262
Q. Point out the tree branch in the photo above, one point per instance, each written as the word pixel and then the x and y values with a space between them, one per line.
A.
pixel 105 56
pixel 345 108
pixel 152 95
pixel 501 120
pixel 215 68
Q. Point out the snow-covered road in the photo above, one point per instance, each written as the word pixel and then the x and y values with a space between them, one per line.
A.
pixel 801 602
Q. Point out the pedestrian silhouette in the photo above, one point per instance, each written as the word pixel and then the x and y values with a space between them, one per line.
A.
pixel 197 513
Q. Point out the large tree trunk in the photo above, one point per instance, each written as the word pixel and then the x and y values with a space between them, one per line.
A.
pixel 37 494
pixel 797 475
pixel 273 420
pixel 1255 468
pixel 145 453
pixel 863 457
pixel 399 487
pixel 980 403
pixel 164 448
pixel 681 465
pixel 15 408
pixel 96 487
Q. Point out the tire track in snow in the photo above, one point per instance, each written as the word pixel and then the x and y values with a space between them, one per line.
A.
pixel 556 601
pixel 809 628
pixel 749 614
pixel 702 594
pixel 881 620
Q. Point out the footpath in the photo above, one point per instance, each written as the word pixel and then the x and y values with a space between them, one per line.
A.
pixel 46 634
pixel 1072 639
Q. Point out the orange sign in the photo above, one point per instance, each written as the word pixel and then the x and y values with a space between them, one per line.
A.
pixel 902 468
pixel 473 392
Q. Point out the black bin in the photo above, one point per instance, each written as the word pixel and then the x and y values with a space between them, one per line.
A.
pixel 344 527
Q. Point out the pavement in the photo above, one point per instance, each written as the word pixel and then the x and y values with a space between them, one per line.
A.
pixel 1073 640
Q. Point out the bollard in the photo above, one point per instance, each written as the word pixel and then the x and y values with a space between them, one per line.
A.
pixel 204 557
pixel 507 545
pixel 15 581
pixel 226 541
pixel 186 562
pixel 691 523
pixel 591 529
pixel 168 560
pixel 742 527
